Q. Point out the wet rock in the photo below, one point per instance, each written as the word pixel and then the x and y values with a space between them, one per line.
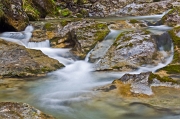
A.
pixel 12 16
pixel 103 8
pixel 172 18
pixel 130 50
pixel 173 69
pixel 81 35
pixel 36 9
pixel 13 110
pixel 17 61
pixel 134 9
pixel 142 83
pixel 44 7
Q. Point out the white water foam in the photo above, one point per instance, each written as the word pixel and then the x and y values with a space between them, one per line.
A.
pixel 39 44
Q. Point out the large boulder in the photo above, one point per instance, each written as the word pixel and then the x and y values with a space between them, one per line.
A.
pixel 14 110
pixel 130 50
pixel 81 36
pixel 18 61
pixel 12 16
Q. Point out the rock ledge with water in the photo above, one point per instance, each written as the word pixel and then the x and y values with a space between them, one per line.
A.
pixel 18 61
pixel 140 84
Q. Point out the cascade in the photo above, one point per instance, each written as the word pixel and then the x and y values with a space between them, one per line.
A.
pixel 67 87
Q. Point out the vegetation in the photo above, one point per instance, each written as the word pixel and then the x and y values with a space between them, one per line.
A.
pixel 65 12
pixel 32 13
pixel 162 79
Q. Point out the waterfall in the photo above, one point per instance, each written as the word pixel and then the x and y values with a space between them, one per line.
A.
pixel 21 38
pixel 39 44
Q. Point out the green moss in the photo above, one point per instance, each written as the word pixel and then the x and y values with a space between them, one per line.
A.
pixel 100 35
pixel 64 22
pixel 172 69
pixel 162 79
pixel 176 58
pixel 33 71
pixel 120 35
pixel 32 13
pixel 83 12
pixel 79 15
pixel 65 12
pixel 174 37
pixel 48 26
pixel 45 69
pixel 133 21
pixel 101 25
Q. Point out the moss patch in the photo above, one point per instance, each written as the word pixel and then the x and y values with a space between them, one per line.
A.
pixel 133 21
pixel 162 79
pixel 30 10
pixel 65 12
pixel 172 69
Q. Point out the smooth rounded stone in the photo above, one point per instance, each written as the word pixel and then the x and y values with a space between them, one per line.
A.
pixel 14 110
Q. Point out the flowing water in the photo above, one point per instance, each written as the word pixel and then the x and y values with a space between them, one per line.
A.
pixel 68 93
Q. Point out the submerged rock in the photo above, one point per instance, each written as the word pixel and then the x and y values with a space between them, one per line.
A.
pixel 17 61
pixel 13 110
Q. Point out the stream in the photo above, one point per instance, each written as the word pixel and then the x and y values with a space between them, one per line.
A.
pixel 69 93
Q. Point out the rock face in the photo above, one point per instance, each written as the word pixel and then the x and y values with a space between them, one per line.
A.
pixel 17 61
pixel 12 110
pixel 104 8
pixel 172 18
pixel 81 36
pixel 15 14
pixel 12 16
pixel 130 50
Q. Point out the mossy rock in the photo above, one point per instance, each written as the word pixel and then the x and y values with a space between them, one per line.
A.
pixel 174 66
pixel 133 21
pixel 30 10
pixel 65 12
pixel 172 69
pixel 172 17
pixel 162 79
pixel 176 39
